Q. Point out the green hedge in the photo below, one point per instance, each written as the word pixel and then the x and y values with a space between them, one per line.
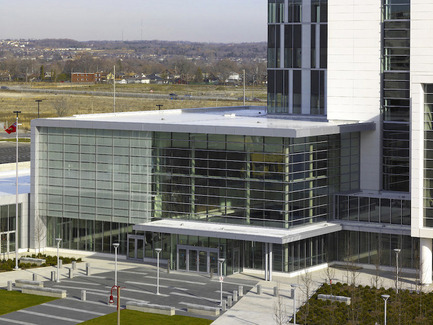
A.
pixel 367 307
pixel 9 265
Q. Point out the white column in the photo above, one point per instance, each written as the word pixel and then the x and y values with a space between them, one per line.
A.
pixel 266 261
pixel 270 262
pixel 426 260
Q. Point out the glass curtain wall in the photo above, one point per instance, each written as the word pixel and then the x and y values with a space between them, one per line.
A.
pixel 395 93
pixel 373 209
pixel 297 57
pixel 8 227
pixel 92 180
pixel 264 181
pixel 428 155
pixel 353 247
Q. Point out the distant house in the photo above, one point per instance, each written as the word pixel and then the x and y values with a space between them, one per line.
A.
pixel 84 77
pixel 155 79
pixel 233 78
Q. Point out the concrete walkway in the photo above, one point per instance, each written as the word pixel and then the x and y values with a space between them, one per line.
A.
pixel 253 308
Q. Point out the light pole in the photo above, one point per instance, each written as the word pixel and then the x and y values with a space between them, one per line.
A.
pixel 58 240
pixel 221 262
pixel 116 246
pixel 38 101
pixel 294 286
pixel 16 198
pixel 396 250
pixel 385 298
pixel 157 250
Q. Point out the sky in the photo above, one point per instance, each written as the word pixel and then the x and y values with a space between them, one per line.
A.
pixel 174 20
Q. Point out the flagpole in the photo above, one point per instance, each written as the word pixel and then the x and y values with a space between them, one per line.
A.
pixel 16 203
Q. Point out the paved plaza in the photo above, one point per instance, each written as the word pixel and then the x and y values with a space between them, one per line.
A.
pixel 177 289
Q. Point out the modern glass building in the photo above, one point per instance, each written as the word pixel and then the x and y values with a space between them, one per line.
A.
pixel 336 168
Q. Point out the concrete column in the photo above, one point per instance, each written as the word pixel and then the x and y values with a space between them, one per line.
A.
pixel 74 265
pixel 71 273
pixel 35 277
pixel 426 260
pixel 9 285
pixel 266 262
pixel 241 291
pixel 87 269
pixel 271 263
pixel 229 301
pixel 259 289
pixel 235 295
pixel 83 295
pixel 53 276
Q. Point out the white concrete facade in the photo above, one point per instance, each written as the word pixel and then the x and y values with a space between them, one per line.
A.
pixel 354 75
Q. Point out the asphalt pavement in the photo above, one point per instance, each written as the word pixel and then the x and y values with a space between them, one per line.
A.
pixel 138 282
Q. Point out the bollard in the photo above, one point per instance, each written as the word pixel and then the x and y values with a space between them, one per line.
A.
pixel 276 292
pixel 87 269
pixel 259 289
pixel 74 265
pixel 35 277
pixel 229 301
pixel 83 295
pixel 71 273
pixel 9 285
pixel 241 291
pixel 168 267
pixel 53 276
pixel 235 295
pixel 224 306
pixel 60 263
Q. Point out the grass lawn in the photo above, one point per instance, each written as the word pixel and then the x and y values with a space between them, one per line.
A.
pixel 14 300
pixel 132 317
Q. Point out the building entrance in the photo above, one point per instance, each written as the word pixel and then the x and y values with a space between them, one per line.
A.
pixel 135 247
pixel 197 259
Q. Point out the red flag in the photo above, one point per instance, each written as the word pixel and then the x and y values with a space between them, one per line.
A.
pixel 12 128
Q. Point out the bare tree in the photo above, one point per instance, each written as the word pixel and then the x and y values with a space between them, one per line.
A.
pixel 280 311
pixel 40 233
pixel 61 106
pixel 306 288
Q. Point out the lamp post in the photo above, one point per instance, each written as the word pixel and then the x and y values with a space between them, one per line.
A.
pixel 116 246
pixel 157 250
pixel 385 298
pixel 221 262
pixel 396 250
pixel 38 101
pixel 294 286
pixel 16 199
pixel 58 240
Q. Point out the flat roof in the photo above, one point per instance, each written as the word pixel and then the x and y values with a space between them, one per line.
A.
pixel 242 120
pixel 8 182
pixel 239 232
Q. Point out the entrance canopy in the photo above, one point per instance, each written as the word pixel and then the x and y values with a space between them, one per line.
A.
pixel 239 232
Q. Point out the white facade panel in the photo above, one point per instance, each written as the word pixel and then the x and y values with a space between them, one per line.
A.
pixel 421 66
pixel 354 41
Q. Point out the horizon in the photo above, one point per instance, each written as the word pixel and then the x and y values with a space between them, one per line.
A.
pixel 203 21
pixel 124 41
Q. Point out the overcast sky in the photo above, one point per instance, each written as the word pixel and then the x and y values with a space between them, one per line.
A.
pixel 185 20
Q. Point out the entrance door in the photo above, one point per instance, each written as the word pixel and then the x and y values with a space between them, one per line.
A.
pixel 193 261
pixel 236 260
pixel 182 259
pixel 203 265
pixel 197 259
pixel 136 247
